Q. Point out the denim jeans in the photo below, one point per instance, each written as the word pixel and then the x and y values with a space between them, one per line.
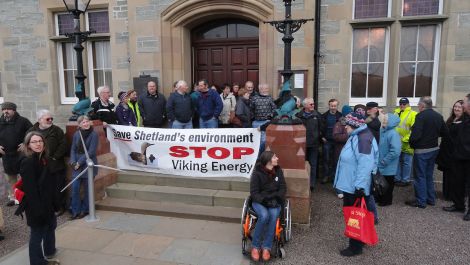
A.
pixel 404 168
pixel 78 205
pixel 45 235
pixel 424 181
pixel 210 123
pixel 266 224
pixel 182 125
pixel 312 158
pixel 262 141
pixel 328 159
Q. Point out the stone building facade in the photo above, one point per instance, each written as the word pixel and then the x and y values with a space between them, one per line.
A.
pixel 366 48
pixel 438 29
pixel 134 37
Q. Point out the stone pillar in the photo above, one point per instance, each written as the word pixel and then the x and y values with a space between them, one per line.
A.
pixel 105 177
pixel 288 142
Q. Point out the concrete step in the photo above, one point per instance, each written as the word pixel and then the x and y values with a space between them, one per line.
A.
pixel 172 209
pixel 205 197
pixel 147 178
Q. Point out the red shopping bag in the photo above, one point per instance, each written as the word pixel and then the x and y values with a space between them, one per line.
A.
pixel 360 223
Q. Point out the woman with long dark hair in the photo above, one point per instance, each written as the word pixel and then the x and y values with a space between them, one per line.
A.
pixel 40 201
pixel 446 159
pixel 267 190
pixel 78 163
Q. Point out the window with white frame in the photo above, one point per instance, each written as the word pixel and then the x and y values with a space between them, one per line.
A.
pixel 98 55
pixel 419 60
pixel 369 65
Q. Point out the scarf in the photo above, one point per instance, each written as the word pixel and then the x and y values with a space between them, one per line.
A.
pixel 85 134
pixel 270 172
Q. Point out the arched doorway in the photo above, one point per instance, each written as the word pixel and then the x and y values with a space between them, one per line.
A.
pixel 226 51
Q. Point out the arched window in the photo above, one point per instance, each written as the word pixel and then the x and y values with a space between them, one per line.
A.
pixel 223 29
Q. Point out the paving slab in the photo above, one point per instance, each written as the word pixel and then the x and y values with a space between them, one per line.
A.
pixel 78 257
pixel 221 232
pixel 134 223
pixel 83 238
pixel 179 228
pixel 187 251
pixel 138 245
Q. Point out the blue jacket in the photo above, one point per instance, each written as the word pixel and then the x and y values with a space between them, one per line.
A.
pixel 209 105
pixel 389 147
pixel 91 143
pixel 357 161
pixel 179 107
pixel 125 116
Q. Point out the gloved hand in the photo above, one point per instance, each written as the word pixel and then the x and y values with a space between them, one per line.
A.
pixel 359 193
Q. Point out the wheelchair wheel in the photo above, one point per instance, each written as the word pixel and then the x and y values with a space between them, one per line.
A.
pixel 244 246
pixel 282 253
pixel 244 213
pixel 287 222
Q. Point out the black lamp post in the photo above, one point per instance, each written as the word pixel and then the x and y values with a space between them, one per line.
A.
pixel 76 8
pixel 288 26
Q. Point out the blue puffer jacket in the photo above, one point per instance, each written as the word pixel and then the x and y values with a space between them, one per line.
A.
pixel 389 147
pixel 357 161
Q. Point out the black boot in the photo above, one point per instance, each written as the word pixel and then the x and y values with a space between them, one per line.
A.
pixel 348 252
pixel 467 216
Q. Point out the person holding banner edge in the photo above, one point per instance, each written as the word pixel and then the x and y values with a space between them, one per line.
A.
pixel 78 163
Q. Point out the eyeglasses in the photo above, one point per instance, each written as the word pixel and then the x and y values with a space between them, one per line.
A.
pixel 50 119
pixel 36 142
pixel 311 104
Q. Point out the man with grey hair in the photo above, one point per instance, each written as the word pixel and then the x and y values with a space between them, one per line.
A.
pixel 179 107
pixel 263 107
pixel 103 108
pixel 424 139
pixel 56 151
pixel 312 121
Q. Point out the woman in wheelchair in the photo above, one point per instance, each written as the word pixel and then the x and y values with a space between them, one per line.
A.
pixel 267 190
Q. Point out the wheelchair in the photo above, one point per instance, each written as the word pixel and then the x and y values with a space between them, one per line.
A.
pixel 283 228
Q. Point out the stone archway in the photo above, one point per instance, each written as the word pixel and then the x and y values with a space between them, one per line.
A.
pixel 183 15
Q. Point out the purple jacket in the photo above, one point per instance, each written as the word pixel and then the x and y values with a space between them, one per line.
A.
pixel 125 116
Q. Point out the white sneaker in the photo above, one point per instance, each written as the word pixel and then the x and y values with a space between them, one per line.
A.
pixel 340 196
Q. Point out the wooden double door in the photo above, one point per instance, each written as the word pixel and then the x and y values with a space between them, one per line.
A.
pixel 226 62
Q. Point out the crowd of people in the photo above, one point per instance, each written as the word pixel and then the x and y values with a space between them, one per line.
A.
pixel 352 144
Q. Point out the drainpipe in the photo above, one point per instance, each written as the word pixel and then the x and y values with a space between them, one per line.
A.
pixel 316 56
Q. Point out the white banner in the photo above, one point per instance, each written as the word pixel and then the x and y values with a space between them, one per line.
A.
pixel 187 152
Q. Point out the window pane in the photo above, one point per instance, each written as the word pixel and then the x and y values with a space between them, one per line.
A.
pixel 109 80
pixel 219 32
pixel 65 23
pixel 232 30
pixel 427 36
pixel 420 7
pixel 377 45
pixel 376 80
pixel 408 43
pixel 98 21
pixel 360 45
pixel 424 79
pixel 69 78
pixel 99 79
pixel 359 80
pixel 370 8
pixel 406 80
pixel 98 55
pixel 247 31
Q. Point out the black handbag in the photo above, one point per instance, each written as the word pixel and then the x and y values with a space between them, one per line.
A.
pixel 379 184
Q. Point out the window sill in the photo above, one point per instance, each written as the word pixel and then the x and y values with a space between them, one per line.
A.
pixel 422 19
pixel 96 36
pixel 372 22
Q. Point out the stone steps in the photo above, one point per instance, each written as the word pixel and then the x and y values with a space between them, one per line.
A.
pixel 178 196
pixel 172 209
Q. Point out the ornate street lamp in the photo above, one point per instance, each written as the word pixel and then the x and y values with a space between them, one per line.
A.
pixel 76 8
pixel 288 26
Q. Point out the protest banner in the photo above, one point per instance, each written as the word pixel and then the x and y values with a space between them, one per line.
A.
pixel 189 152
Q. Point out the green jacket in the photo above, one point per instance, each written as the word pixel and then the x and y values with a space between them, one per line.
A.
pixel 136 112
pixel 407 119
